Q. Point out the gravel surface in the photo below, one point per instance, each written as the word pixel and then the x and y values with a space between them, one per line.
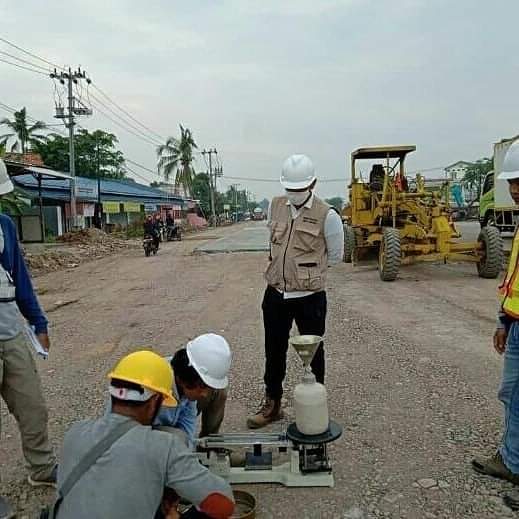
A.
pixel 411 373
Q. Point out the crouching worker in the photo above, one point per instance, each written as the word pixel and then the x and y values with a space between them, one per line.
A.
pixel 201 378
pixel 118 466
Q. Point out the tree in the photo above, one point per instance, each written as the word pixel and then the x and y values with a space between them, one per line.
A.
pixel 13 203
pixel 336 202
pixel 176 156
pixel 475 174
pixel 24 136
pixel 96 154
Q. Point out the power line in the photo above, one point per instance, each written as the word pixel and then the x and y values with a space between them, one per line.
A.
pixel 23 67
pixel 142 167
pixel 23 60
pixel 145 139
pixel 31 54
pixel 135 172
pixel 128 114
pixel 124 121
pixel 12 110
pixel 52 64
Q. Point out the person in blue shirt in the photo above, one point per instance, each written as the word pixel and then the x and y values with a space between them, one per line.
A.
pixel 201 378
pixel 20 385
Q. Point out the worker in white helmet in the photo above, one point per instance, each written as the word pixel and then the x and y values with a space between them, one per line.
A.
pixel 201 379
pixel 306 237
pixel 504 463
pixel 20 385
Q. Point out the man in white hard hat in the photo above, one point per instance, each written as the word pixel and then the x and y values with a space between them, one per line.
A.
pixel 201 379
pixel 306 237
pixel 504 463
pixel 20 385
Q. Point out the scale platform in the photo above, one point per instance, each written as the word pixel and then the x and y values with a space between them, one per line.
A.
pixel 333 433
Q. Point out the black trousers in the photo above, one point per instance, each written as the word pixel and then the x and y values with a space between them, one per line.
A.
pixel 309 313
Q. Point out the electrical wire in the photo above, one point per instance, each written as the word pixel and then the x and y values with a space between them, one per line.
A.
pixel 124 127
pixel 143 167
pixel 35 65
pixel 109 99
pixel 31 54
pixel 106 96
pixel 24 67
pixel 12 110
pixel 124 121
pixel 135 172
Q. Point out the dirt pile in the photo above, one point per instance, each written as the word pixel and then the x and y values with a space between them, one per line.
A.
pixel 75 248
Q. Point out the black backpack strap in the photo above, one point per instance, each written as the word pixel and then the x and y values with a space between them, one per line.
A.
pixel 89 459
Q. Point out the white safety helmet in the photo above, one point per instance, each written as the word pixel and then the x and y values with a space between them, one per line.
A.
pixel 210 355
pixel 511 163
pixel 298 172
pixel 6 186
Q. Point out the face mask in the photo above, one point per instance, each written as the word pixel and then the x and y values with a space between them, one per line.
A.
pixel 297 197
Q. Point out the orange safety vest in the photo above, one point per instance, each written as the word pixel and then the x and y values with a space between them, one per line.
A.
pixel 509 289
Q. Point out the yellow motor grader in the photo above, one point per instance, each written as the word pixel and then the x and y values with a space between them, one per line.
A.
pixel 404 222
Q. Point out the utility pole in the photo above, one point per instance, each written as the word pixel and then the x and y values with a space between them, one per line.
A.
pixel 212 185
pixel 99 211
pixel 235 186
pixel 75 107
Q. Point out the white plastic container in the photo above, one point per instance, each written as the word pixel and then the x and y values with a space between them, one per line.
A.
pixel 311 406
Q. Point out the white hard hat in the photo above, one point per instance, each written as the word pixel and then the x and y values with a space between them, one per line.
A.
pixel 511 163
pixel 210 355
pixel 6 186
pixel 298 172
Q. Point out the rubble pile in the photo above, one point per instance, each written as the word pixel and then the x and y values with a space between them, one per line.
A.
pixel 75 248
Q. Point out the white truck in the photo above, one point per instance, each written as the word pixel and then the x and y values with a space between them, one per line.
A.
pixel 496 206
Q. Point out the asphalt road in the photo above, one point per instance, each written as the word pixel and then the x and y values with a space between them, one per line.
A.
pixel 249 237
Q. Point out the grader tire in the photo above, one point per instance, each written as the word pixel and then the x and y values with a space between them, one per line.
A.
pixel 349 243
pixel 491 263
pixel 389 255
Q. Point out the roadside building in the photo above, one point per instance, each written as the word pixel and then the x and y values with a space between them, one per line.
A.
pixel 119 203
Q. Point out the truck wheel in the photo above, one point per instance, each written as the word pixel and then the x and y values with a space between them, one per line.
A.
pixel 491 262
pixel 349 243
pixel 389 255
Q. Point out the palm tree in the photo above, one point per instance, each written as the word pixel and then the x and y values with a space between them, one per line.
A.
pixel 177 156
pixel 25 135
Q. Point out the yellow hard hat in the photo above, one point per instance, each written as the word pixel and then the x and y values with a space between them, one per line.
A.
pixel 149 370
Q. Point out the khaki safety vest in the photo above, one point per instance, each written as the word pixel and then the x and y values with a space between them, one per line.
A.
pixel 297 247
pixel 509 289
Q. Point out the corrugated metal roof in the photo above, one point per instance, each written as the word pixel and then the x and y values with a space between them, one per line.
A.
pixel 116 190
pixel 47 172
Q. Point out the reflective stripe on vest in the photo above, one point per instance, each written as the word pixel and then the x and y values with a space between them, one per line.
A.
pixel 509 289
pixel 7 288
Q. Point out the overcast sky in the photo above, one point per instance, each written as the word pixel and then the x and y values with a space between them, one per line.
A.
pixel 260 80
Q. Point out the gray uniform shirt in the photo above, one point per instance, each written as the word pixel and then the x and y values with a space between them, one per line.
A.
pixel 129 479
pixel 10 317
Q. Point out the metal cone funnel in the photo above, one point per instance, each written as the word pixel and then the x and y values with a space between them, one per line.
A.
pixel 305 346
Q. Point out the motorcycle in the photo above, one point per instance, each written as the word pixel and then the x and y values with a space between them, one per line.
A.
pixel 174 232
pixel 149 245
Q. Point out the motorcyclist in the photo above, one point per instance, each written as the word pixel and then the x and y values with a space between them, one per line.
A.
pixel 171 227
pixel 151 229
pixel 159 224
pixel 170 221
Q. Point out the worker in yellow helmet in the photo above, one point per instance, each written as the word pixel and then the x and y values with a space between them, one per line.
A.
pixel 504 463
pixel 118 466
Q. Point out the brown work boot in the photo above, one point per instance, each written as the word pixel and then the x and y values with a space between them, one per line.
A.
pixel 496 468
pixel 269 412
